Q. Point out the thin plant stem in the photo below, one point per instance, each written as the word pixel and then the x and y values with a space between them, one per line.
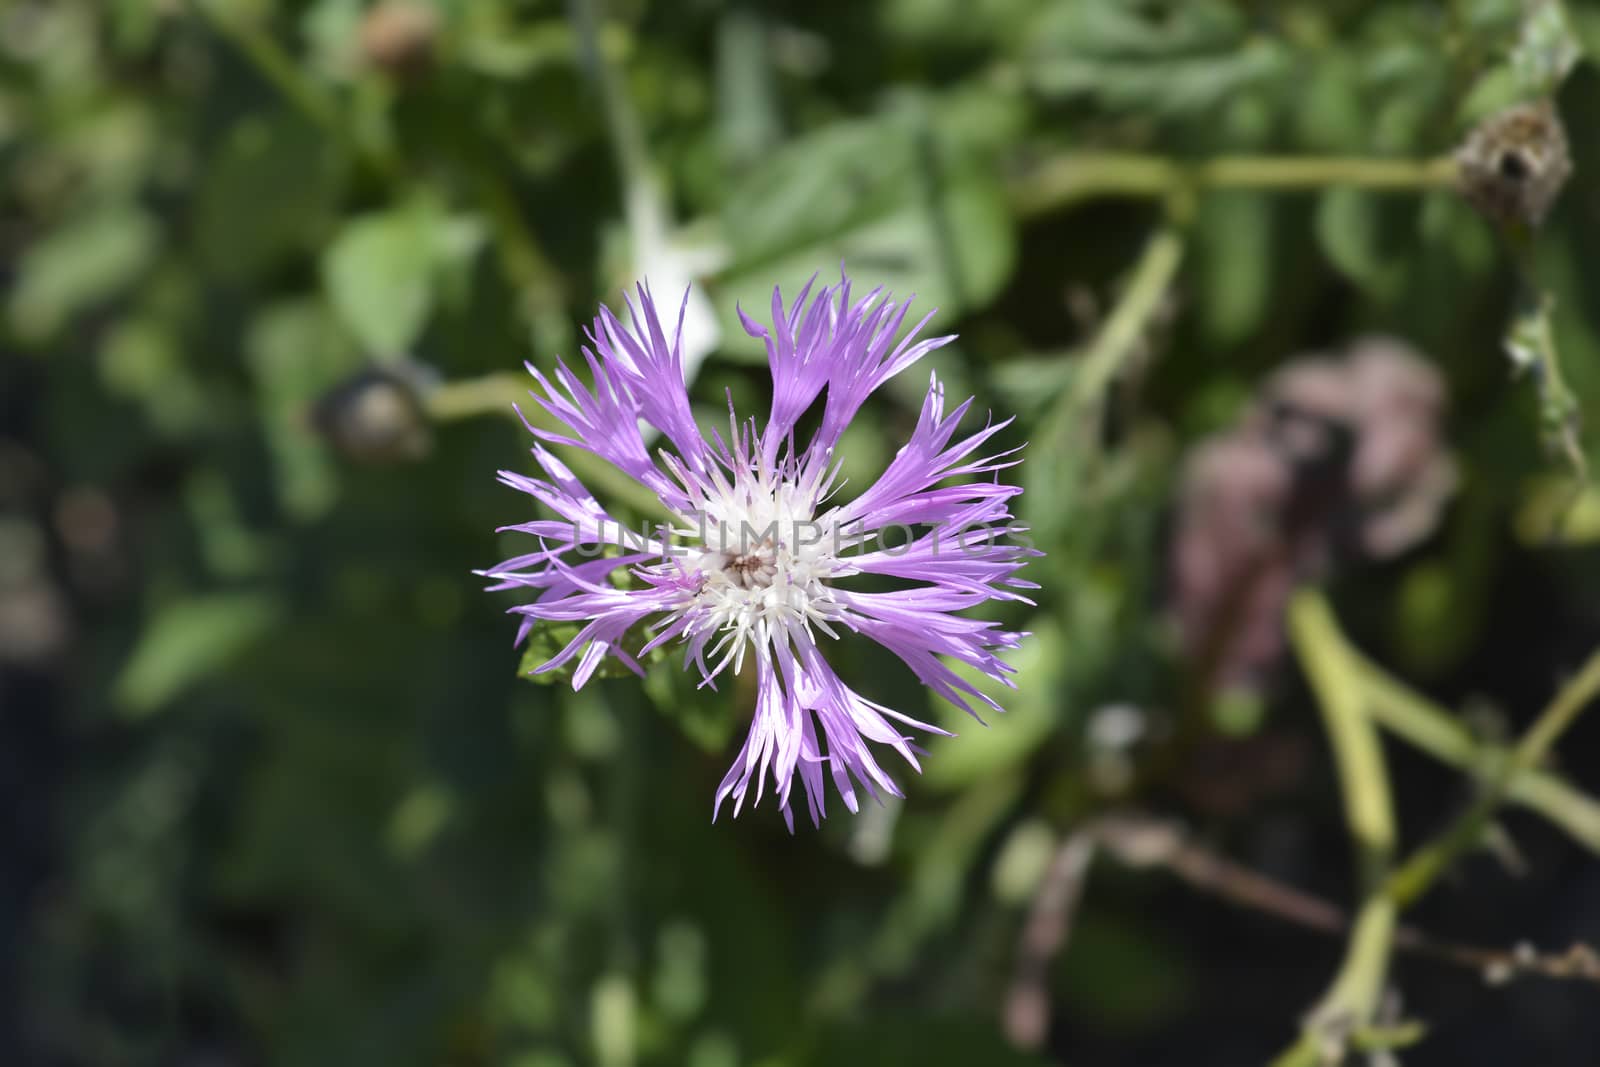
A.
pixel 1530 342
pixel 279 69
pixel 1357 751
pixel 1072 177
pixel 1351 1002
pixel 1119 337
pixel 1574 698
pixel 1435 731
pixel 1419 873
pixel 1141 841
pixel 1072 418
pixel 523 262
pixel 1337 676
pixel 525 265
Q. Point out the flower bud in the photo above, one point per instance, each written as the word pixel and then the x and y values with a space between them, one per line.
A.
pixel 377 416
pixel 1514 164
pixel 398 36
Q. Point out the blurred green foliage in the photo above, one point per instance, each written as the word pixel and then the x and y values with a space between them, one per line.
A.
pixel 311 816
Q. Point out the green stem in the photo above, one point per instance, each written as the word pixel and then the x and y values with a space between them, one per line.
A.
pixel 1073 177
pixel 278 68
pixel 525 266
pixel 1425 866
pixel 1068 429
pixel 1357 751
pixel 1119 337
pixel 1574 698
pixel 469 397
pixel 1435 731
pixel 1313 172
pixel 1351 1001
pixel 644 198
pixel 1352 694
pixel 523 262
pixel 1347 1008
pixel 1530 341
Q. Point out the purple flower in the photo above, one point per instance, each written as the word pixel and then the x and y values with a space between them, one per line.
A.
pixel 758 559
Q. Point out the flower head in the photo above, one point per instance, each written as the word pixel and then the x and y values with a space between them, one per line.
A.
pixel 757 559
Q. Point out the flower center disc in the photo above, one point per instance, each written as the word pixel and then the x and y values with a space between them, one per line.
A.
pixel 750 570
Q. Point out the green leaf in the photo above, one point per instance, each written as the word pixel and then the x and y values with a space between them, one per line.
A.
pixel 1236 275
pixel 1032 713
pixel 419 818
pixel 1028 384
pixel 1152 31
pixel 546 640
pixel 965 22
pixel 1527 339
pixel 981 121
pixel 332 33
pixel 705 715
pixel 267 193
pixel 882 198
pixel 748 120
pixel 499 41
pixel 1349 228
pixel 188 640
pixel 795 198
pixel 1180 61
pixel 1448 222
pixel 1555 511
pixel 297 353
pixel 1547 50
pixel 85 262
pixel 1330 115
pixel 382 272
pixel 141 358
pixel 1433 627
pixel 1495 90
pixel 1407 84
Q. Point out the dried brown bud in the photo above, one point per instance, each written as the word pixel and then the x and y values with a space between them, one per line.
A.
pixel 1339 460
pixel 1514 164
pixel 1232 566
pixel 397 37
pixel 376 416
pixel 35 622
pixel 1401 473
pixel 1305 409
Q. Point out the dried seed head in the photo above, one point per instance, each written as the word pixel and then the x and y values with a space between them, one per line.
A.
pixel 377 415
pixel 1514 164
pixel 397 37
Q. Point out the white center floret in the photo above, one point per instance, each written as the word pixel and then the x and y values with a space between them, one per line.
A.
pixel 765 560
